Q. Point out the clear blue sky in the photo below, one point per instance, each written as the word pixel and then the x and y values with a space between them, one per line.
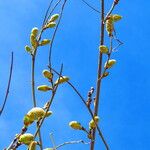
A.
pixel 125 102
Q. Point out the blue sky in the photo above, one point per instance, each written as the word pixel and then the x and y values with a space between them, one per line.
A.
pixel 124 105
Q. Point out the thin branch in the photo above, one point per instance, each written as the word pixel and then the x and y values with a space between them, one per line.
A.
pixel 99 73
pixel 88 108
pixel 115 2
pixel 49 104
pixel 8 85
pixel 72 142
pixel 53 37
pixel 90 6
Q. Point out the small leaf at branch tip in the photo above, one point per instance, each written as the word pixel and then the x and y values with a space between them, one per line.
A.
pixel 116 17
pixel 103 49
pixel 51 25
pixel 35 31
pixel 32 145
pixel 62 80
pixel 28 48
pixel 44 88
pixel 92 124
pixel 26 138
pixel 54 17
pixel 44 42
pixel 75 125
pixel 109 63
pixel 47 74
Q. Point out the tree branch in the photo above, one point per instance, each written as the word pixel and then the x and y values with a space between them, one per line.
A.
pixel 8 86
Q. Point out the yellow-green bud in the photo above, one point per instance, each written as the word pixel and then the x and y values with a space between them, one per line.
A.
pixel 54 17
pixel 27 121
pixel 28 48
pixel 116 17
pixel 35 113
pixel 109 25
pixel 49 149
pixel 26 138
pixel 51 25
pixel 35 31
pixel 47 74
pixel 62 80
pixel 44 88
pixel 109 63
pixel 92 124
pixel 32 145
pixel 75 125
pixel 33 40
pixel 103 49
pixel 44 42
pixel 49 113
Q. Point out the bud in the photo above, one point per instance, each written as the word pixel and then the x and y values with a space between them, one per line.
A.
pixel 27 121
pixel 75 125
pixel 44 88
pixel 109 63
pixel 105 74
pixel 54 17
pixel 51 25
pixel 26 138
pixel 49 113
pixel 103 49
pixel 35 31
pixel 35 113
pixel 109 25
pixel 47 74
pixel 92 124
pixel 49 149
pixel 44 42
pixel 32 145
pixel 62 80
pixel 27 48
pixel 33 40
pixel 116 17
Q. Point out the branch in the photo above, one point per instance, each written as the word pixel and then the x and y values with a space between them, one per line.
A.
pixel 53 37
pixel 8 86
pixel 115 2
pixel 88 108
pixel 91 6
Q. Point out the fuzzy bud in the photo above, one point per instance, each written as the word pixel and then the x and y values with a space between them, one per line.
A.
pixel 26 138
pixel 28 48
pixel 109 25
pixel 109 63
pixel 33 40
pixel 105 74
pixel 35 31
pixel 103 49
pixel 47 74
pixel 44 88
pixel 51 25
pixel 44 42
pixel 116 17
pixel 92 124
pixel 62 80
pixel 54 17
pixel 32 145
pixel 75 125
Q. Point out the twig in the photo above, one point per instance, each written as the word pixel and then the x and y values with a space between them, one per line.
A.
pixel 53 37
pixel 88 108
pixel 49 104
pixel 72 142
pixel 99 73
pixel 8 86
pixel 115 2
pixel 90 6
